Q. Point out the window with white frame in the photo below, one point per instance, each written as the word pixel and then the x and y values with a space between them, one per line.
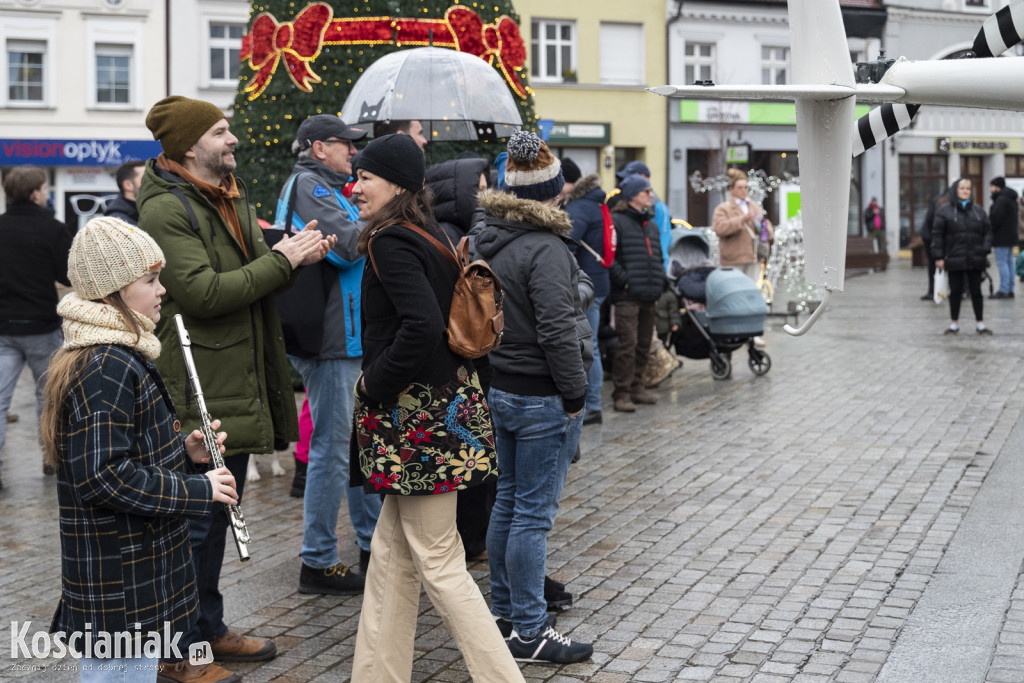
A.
pixel 699 62
pixel 622 53
pixel 553 47
pixel 225 47
pixel 976 5
pixel 114 71
pixel 26 71
pixel 774 65
pixel 113 74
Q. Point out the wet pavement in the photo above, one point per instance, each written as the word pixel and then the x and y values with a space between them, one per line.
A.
pixel 853 515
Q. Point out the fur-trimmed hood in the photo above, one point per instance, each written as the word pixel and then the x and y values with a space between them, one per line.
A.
pixel 507 217
pixel 587 183
pixel 511 209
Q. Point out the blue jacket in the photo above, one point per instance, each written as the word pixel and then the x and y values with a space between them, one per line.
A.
pixel 584 209
pixel 318 196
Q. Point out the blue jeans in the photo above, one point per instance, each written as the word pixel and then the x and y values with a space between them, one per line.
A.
pixel 536 440
pixel 596 375
pixel 123 670
pixel 15 351
pixel 331 385
pixel 1004 261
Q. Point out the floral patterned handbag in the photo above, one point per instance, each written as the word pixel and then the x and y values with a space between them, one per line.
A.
pixel 432 440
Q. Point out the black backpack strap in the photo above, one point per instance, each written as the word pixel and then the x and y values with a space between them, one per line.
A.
pixel 291 204
pixel 188 208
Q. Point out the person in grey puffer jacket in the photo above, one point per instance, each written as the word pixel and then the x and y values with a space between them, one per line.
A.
pixel 537 390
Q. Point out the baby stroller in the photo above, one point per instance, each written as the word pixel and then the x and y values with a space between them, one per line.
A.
pixel 724 309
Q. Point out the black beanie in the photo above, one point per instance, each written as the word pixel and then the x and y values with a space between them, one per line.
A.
pixel 570 170
pixel 999 181
pixel 396 158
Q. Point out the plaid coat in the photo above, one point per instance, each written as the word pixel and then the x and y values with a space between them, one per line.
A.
pixel 125 486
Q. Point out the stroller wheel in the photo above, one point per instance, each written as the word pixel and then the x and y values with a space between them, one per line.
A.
pixel 722 369
pixel 760 363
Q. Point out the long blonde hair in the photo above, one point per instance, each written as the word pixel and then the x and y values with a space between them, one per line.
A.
pixel 63 371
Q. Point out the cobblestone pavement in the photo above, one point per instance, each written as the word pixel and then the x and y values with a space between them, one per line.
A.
pixel 822 523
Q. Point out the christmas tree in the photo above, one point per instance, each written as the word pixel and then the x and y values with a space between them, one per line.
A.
pixel 301 59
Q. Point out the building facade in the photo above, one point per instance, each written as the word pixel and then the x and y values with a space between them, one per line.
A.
pixel 945 142
pixel 589 62
pixel 78 78
pixel 204 60
pixel 748 42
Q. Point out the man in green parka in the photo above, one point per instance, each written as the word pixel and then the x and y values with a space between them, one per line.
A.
pixel 222 278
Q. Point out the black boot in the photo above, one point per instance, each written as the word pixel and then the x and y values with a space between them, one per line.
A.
pixel 555 594
pixel 336 580
pixel 364 561
pixel 299 480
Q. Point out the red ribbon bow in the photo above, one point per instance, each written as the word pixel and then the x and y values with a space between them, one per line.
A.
pixel 499 43
pixel 297 41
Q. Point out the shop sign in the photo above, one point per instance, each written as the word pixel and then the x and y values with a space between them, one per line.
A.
pixel 980 145
pixel 736 112
pixel 15 152
pixel 737 154
pixel 567 133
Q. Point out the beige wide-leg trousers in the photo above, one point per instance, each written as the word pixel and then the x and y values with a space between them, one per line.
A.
pixel 414 543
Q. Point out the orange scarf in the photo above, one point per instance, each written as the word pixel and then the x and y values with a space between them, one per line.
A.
pixel 220 196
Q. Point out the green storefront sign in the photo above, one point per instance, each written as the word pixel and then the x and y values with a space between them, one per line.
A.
pixel 564 133
pixel 738 112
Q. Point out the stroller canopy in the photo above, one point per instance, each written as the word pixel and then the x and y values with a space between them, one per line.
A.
pixel 688 248
pixel 735 304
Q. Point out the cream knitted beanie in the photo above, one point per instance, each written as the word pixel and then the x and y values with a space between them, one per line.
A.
pixel 108 254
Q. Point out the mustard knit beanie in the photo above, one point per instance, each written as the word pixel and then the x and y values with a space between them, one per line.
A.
pixel 108 254
pixel 178 123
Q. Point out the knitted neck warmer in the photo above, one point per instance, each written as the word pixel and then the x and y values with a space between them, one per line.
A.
pixel 89 323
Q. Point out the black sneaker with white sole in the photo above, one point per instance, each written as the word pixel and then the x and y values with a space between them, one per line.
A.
pixel 507 630
pixel 550 646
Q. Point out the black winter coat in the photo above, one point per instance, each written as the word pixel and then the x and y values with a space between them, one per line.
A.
pixel 34 255
pixel 1003 216
pixel 125 209
pixel 962 236
pixel 455 184
pixel 638 273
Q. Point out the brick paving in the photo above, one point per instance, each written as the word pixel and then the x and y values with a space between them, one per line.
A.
pixel 781 528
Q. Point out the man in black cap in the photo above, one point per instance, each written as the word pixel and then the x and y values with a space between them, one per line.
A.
pixel 328 354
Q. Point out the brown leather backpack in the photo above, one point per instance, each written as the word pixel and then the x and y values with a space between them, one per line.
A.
pixel 476 321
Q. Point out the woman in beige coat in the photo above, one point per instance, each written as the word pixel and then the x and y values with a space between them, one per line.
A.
pixel 737 222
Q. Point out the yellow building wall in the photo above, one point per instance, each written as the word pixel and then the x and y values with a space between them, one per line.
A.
pixel 638 118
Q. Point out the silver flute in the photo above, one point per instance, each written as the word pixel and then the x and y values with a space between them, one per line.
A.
pixel 234 512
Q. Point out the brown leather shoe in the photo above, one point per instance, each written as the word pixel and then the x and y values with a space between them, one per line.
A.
pixel 183 672
pixel 232 647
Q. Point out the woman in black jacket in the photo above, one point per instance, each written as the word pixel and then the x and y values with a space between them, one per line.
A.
pixel 961 241
pixel 422 429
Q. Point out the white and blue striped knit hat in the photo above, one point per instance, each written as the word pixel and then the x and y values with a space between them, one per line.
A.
pixel 532 171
